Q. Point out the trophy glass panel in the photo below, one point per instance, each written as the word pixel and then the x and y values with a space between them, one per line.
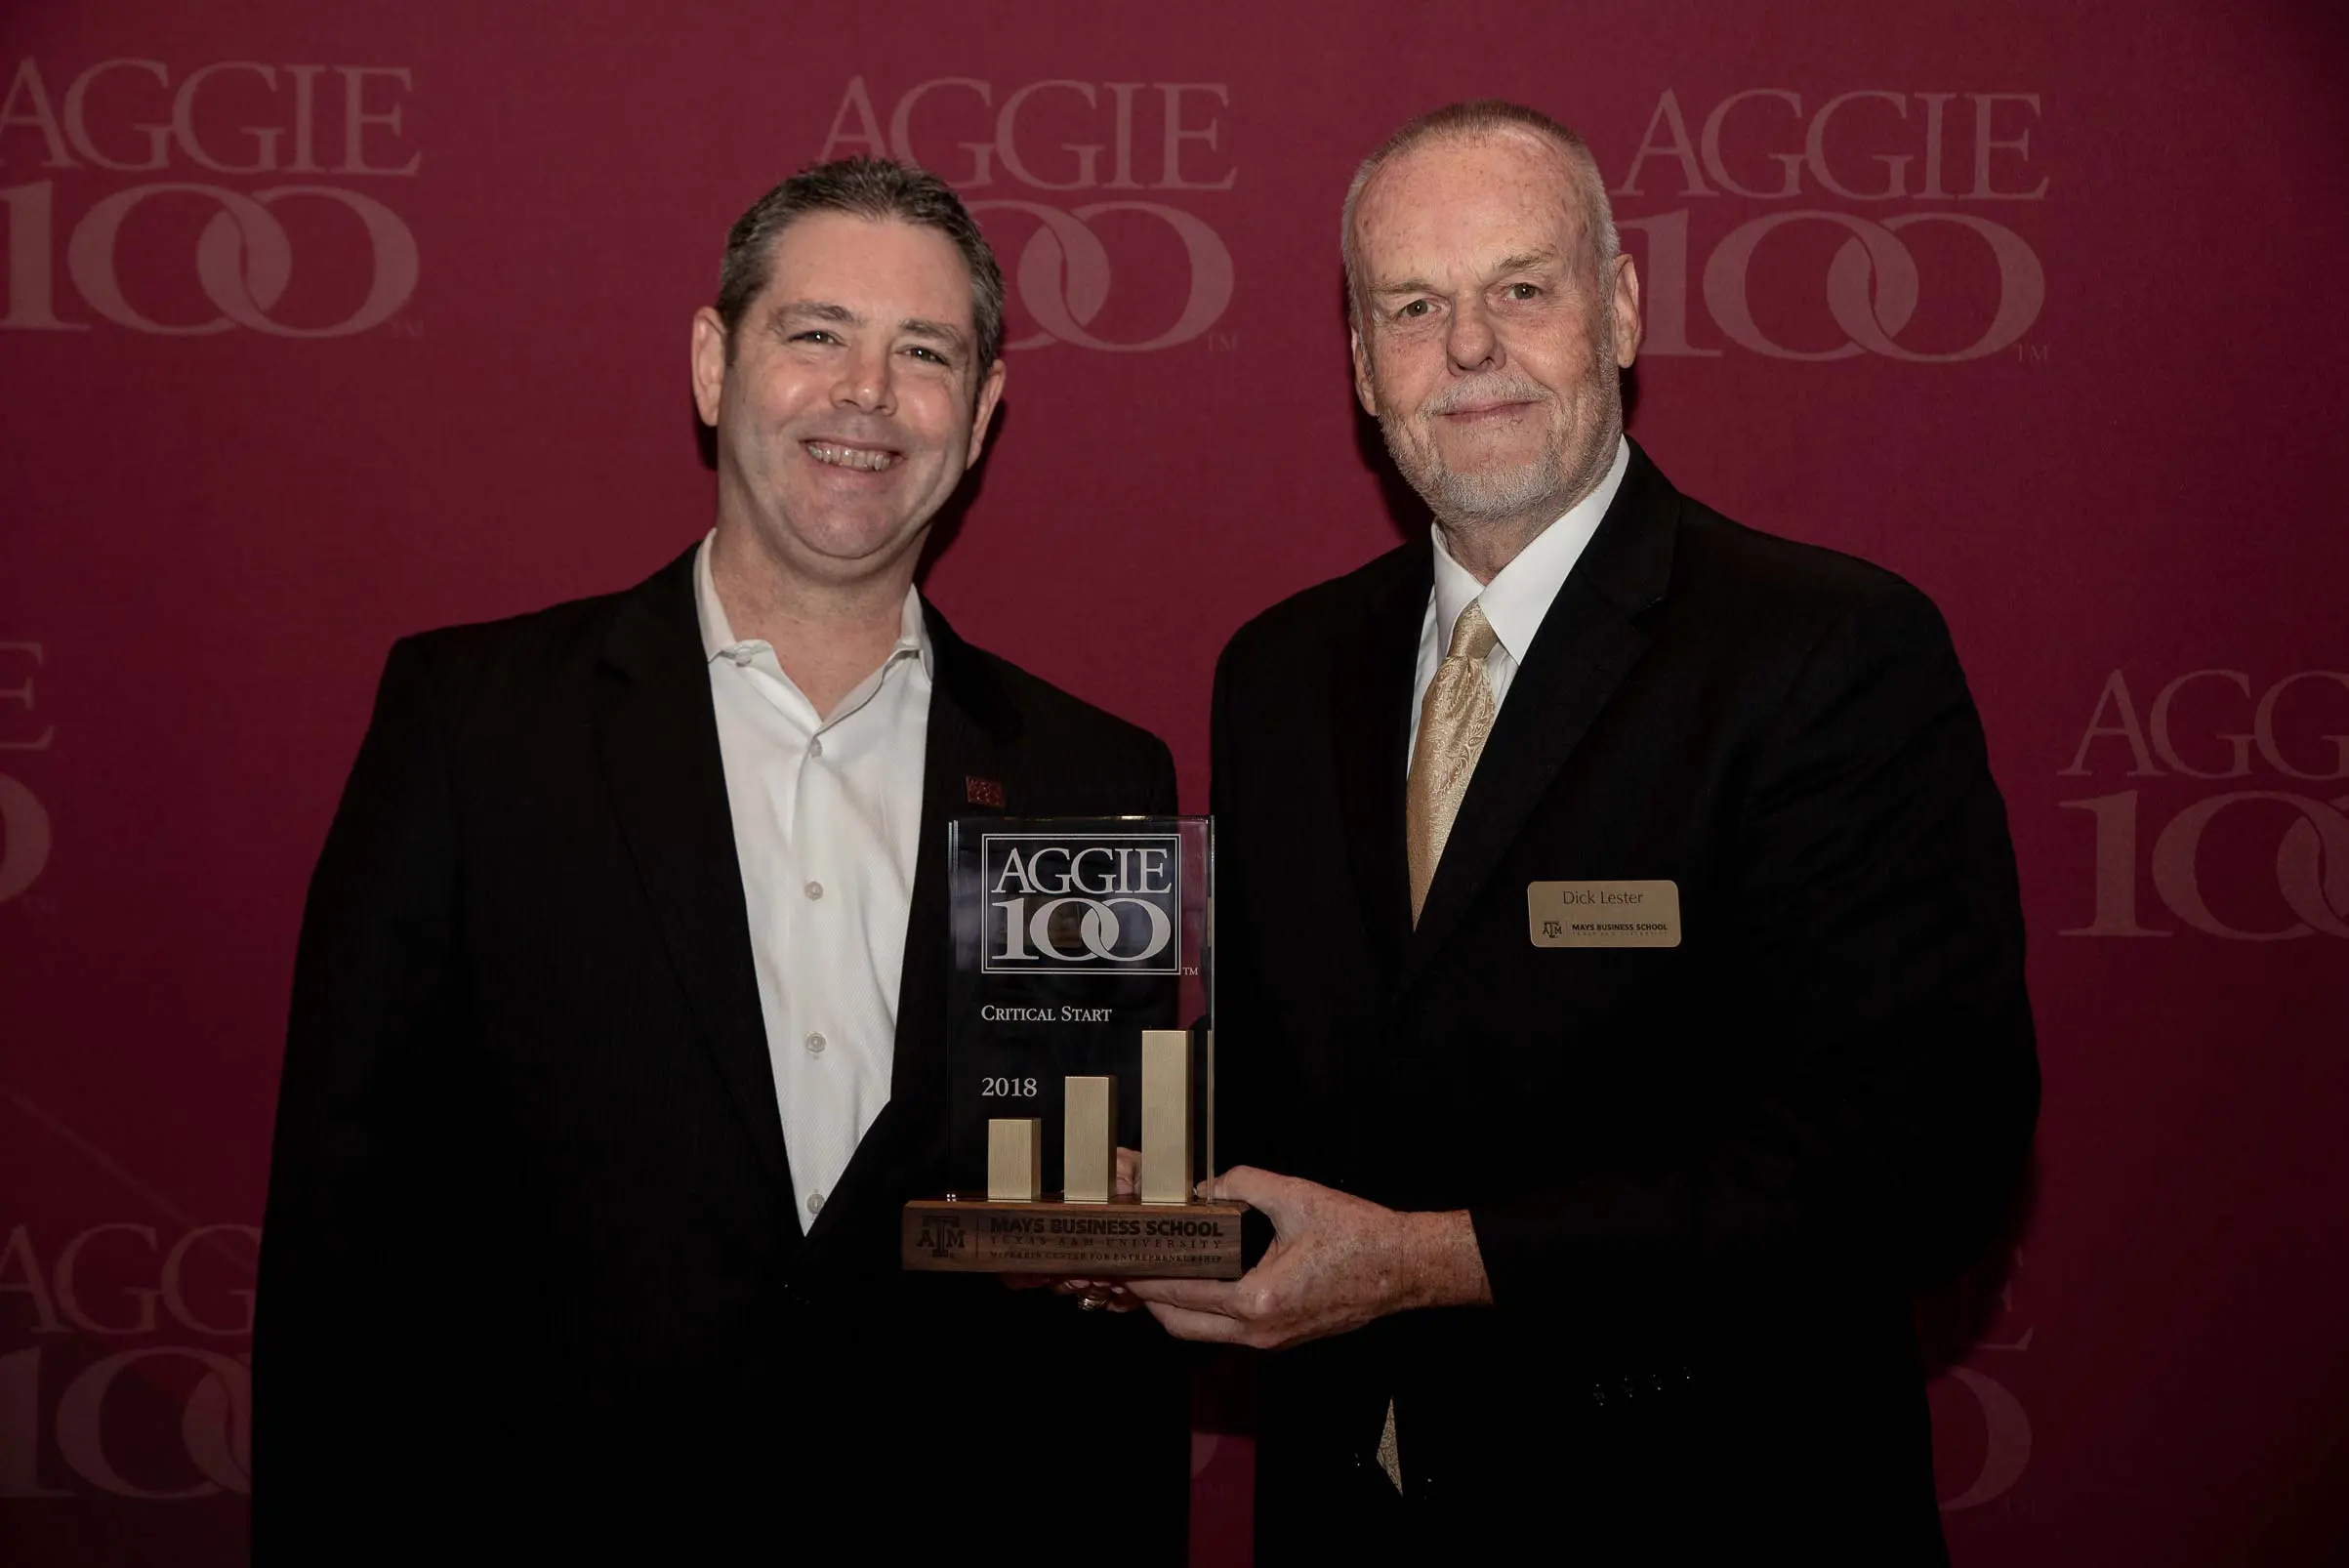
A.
pixel 1072 935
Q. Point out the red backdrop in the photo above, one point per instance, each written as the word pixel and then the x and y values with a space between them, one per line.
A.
pixel 323 327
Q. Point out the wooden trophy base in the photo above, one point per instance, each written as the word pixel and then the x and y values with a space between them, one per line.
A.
pixel 1123 1238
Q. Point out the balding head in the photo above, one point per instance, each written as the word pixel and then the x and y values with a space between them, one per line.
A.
pixel 1585 188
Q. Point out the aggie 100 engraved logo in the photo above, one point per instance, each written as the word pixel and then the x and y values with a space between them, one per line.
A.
pixel 1106 902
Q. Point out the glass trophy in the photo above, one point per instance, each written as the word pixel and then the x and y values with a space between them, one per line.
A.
pixel 1081 1011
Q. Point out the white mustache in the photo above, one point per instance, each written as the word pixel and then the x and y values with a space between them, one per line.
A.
pixel 1487 390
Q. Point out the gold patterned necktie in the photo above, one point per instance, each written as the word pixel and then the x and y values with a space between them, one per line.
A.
pixel 1454 718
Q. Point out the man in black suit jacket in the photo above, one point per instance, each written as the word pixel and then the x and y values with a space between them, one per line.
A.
pixel 1632 995
pixel 535 1255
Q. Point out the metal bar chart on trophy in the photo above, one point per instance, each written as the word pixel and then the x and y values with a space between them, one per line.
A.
pixel 1088 1140
pixel 1165 1116
pixel 1014 1159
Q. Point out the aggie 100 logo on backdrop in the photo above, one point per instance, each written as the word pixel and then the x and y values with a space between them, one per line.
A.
pixel 1057 136
pixel 1861 150
pixel 235 225
pixel 2264 857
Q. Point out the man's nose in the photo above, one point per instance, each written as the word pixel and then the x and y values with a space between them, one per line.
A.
pixel 1473 344
pixel 865 381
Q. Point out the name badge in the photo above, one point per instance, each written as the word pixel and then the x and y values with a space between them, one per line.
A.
pixel 1604 914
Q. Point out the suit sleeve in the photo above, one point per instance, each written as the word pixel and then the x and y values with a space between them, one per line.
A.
pixel 1249 1088
pixel 342 1355
pixel 1876 954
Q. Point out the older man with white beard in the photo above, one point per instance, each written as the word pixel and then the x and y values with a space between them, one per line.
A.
pixel 1620 948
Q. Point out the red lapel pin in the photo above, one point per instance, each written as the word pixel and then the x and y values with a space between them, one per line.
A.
pixel 983 791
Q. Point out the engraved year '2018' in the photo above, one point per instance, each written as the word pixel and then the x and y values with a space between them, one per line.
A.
pixel 1007 1088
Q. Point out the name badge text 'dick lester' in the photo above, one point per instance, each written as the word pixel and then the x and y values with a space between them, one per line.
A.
pixel 1603 914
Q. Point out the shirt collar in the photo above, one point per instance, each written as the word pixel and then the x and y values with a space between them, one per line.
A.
pixel 718 638
pixel 1520 594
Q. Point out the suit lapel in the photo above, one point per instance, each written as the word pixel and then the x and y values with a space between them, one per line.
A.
pixel 658 738
pixel 1588 643
pixel 1373 667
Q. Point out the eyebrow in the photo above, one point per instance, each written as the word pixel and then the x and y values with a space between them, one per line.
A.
pixel 913 327
pixel 1523 260
pixel 809 310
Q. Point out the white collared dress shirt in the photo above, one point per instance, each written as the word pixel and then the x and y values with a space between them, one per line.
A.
pixel 827 818
pixel 1517 598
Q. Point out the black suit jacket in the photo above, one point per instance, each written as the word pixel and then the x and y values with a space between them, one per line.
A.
pixel 1705 1180
pixel 531 1245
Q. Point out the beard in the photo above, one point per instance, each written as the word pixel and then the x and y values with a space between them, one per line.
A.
pixel 1579 447
pixel 1469 496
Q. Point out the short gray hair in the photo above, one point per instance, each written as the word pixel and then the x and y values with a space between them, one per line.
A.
pixel 874 189
pixel 1477 117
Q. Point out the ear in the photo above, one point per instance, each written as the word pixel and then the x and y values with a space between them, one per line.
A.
pixel 1625 303
pixel 709 364
pixel 990 392
pixel 1365 390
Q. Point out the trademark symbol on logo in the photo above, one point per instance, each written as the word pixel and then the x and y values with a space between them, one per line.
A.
pixel 2031 354
pixel 1223 342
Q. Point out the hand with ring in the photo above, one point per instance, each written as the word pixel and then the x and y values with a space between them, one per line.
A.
pixel 1093 1295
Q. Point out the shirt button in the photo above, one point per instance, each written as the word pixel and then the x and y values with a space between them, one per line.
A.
pixel 815 1203
pixel 815 1045
pixel 814 889
pixel 815 748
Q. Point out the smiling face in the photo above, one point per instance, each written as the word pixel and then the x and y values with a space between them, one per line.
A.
pixel 847 404
pixel 1488 339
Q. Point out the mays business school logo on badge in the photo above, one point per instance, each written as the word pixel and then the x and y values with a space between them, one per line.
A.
pixel 1107 903
pixel 185 200
pixel 1094 195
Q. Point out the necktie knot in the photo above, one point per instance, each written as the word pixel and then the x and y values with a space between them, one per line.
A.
pixel 1472 636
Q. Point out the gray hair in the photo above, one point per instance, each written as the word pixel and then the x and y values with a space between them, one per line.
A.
pixel 873 188
pixel 1478 118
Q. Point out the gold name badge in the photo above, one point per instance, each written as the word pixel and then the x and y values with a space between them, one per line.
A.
pixel 1604 914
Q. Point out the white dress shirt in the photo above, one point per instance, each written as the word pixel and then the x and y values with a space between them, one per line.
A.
pixel 827 818
pixel 1517 598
